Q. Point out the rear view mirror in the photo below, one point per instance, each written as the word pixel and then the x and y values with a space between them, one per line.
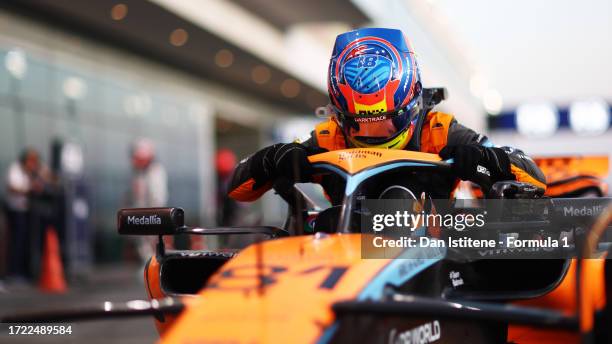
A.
pixel 150 221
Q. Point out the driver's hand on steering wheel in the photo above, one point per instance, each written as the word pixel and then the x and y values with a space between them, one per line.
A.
pixel 283 160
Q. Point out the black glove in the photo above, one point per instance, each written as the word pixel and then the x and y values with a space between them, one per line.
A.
pixel 282 160
pixel 468 157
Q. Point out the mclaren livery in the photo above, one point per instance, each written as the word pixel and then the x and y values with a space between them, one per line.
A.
pixel 312 284
pixel 438 130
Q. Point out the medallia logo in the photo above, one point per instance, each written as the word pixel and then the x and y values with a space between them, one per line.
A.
pixel 426 333
pixel 144 220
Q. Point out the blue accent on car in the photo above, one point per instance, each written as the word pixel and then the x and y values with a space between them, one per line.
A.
pixel 327 335
pixel 401 269
pixel 355 180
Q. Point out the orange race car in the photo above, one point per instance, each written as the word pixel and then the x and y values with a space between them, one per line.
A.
pixel 575 176
pixel 566 176
pixel 323 279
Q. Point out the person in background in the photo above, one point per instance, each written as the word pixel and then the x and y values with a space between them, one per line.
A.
pixel 149 179
pixel 25 179
pixel 149 186
pixel 72 206
pixel 225 162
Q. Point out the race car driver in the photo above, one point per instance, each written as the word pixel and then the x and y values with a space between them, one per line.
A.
pixel 378 101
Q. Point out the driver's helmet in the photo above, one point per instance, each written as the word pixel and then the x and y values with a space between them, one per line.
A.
pixel 375 87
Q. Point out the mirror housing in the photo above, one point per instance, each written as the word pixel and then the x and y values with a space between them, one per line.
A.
pixel 150 221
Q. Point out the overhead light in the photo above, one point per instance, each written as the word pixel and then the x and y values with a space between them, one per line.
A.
pixel 74 88
pixel 224 58
pixel 16 63
pixel 537 120
pixel 492 102
pixel 589 117
pixel 119 11
pixel 260 74
pixel 290 88
pixel 179 37
pixel 478 85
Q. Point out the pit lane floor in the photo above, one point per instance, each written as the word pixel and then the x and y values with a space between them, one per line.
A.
pixel 105 284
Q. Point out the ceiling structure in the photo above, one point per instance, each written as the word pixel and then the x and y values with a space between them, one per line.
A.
pixel 190 47
pixel 286 13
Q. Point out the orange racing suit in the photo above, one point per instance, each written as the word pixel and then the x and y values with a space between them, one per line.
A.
pixel 438 130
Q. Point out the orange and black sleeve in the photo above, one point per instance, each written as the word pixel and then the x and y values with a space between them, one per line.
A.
pixel 511 163
pixel 252 176
pixel 255 175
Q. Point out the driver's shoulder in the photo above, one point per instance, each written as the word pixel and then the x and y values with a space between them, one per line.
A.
pixel 437 118
pixel 328 135
pixel 434 131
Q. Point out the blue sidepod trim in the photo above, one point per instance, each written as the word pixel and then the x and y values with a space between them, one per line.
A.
pixel 401 269
pixel 328 334
pixel 396 273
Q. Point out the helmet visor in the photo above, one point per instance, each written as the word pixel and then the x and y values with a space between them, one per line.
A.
pixel 378 129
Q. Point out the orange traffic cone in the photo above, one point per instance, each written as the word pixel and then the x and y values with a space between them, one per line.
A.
pixel 52 272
